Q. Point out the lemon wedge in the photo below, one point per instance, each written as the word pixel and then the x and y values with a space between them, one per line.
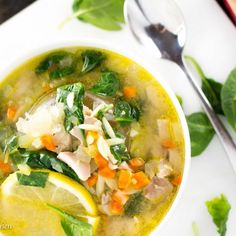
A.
pixel 21 205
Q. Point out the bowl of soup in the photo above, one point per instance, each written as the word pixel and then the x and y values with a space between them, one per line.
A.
pixel 92 142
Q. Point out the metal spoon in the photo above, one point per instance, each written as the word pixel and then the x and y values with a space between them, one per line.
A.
pixel 159 26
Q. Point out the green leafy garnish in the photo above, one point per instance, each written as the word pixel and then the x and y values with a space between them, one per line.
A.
pixel 126 112
pixel 57 64
pixel 228 97
pixel 43 159
pixel 219 208
pixel 91 59
pixel 73 115
pixel 105 14
pixel 210 87
pixel 11 145
pixel 36 179
pixel 103 111
pixel 108 85
pixel 201 132
pixel 135 204
pixel 73 226
pixel 120 152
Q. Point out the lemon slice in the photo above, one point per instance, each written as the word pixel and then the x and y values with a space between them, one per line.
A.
pixel 59 191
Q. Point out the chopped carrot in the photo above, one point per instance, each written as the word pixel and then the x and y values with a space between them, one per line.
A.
pixel 168 144
pixel 100 161
pixel 5 167
pixel 129 92
pixel 92 180
pixel 118 200
pixel 48 142
pixel 177 180
pixel 136 162
pixel 107 172
pixel 124 179
pixel 140 180
pixel 11 112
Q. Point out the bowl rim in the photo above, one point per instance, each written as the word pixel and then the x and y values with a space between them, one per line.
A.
pixel 123 51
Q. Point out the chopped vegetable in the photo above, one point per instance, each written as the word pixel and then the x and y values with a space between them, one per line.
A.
pixel 125 112
pixel 124 179
pixel 107 172
pixel 118 200
pixel 11 113
pixel 104 14
pixel 73 226
pixel 168 144
pixel 91 59
pixel 57 64
pixel 219 208
pixel 36 179
pixel 48 142
pixel 136 163
pixel 177 180
pixel 5 168
pixel 108 85
pixel 100 161
pixel 120 152
pixel 92 180
pixel 140 180
pixel 129 92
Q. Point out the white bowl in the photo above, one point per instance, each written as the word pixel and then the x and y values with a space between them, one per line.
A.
pixel 149 67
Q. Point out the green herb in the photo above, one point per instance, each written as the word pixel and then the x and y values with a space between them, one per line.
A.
pixel 125 112
pixel 135 204
pixel 105 14
pixel 219 208
pixel 120 152
pixel 108 85
pixel 73 115
pixel 11 145
pixel 72 226
pixel 201 132
pixel 103 111
pixel 91 60
pixel 195 229
pixel 180 99
pixel 228 97
pixel 210 87
pixel 36 179
pixel 57 64
pixel 43 159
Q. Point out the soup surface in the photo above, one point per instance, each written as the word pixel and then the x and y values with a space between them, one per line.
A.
pixel 90 144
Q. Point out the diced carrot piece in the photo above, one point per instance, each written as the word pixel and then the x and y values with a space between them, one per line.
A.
pixel 136 162
pixel 48 142
pixel 11 112
pixel 118 200
pixel 129 92
pixel 92 180
pixel 168 144
pixel 5 167
pixel 124 179
pixel 177 180
pixel 140 180
pixel 100 161
pixel 107 172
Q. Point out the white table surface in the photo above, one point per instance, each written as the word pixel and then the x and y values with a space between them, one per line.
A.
pixel 211 40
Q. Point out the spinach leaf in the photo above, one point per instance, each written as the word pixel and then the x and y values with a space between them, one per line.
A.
pixel 211 88
pixel 126 112
pixel 135 204
pixel 72 226
pixel 103 111
pixel 73 115
pixel 105 14
pixel 228 97
pixel 120 152
pixel 43 159
pixel 91 60
pixel 57 64
pixel 201 132
pixel 108 85
pixel 36 179
pixel 219 208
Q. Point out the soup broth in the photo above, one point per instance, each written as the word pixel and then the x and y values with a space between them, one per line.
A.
pixel 112 102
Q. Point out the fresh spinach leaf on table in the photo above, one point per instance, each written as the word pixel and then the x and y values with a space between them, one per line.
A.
pixel 228 97
pixel 91 60
pixel 210 87
pixel 105 14
pixel 36 179
pixel 73 226
pixel 201 132
pixel 108 85
pixel 219 208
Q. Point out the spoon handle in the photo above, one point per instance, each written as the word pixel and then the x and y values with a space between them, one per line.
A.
pixel 225 138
